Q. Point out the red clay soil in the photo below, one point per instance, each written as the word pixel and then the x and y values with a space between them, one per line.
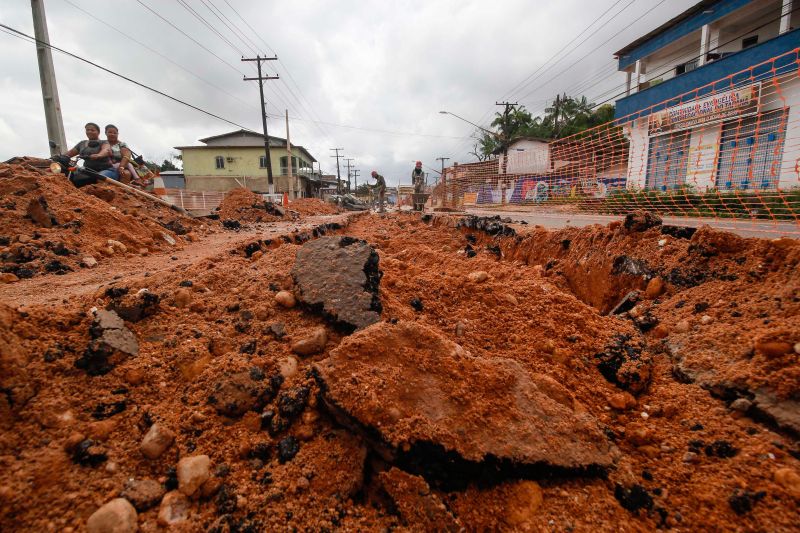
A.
pixel 313 206
pixel 687 459
pixel 47 225
pixel 245 206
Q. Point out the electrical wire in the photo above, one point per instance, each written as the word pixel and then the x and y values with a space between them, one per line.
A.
pixel 126 78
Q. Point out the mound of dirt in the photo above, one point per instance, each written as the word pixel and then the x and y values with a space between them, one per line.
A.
pixel 49 226
pixel 214 405
pixel 243 205
pixel 313 206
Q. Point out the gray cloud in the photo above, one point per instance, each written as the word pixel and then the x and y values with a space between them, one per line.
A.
pixel 376 65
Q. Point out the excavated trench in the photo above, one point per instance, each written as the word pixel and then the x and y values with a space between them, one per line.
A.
pixel 516 378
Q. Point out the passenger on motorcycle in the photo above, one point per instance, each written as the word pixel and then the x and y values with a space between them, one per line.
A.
pixel 120 155
pixel 96 154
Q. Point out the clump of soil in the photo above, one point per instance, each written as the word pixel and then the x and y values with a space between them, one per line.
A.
pixel 49 226
pixel 313 206
pixel 243 205
pixel 216 372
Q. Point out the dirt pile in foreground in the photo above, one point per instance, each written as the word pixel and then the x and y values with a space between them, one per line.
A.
pixel 49 226
pixel 233 417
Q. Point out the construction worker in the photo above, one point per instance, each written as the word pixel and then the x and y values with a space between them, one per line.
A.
pixel 380 188
pixel 418 178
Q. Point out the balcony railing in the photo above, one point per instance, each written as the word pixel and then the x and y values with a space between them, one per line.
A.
pixel 715 76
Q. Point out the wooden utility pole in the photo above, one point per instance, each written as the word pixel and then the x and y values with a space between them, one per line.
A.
pixel 355 178
pixel 261 79
pixel 442 159
pixel 338 172
pixel 348 159
pixel 47 76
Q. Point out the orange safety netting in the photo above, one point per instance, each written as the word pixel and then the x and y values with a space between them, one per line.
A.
pixel 729 149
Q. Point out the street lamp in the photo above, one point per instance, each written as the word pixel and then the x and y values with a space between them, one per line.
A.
pixel 493 134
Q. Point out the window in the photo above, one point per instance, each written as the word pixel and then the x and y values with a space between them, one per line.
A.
pixel 285 167
pixel 685 67
pixel 749 41
pixel 220 161
pixel 667 160
pixel 750 152
pixel 262 162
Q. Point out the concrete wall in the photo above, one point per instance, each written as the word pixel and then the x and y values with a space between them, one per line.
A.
pixel 526 156
pixel 201 161
pixel 258 184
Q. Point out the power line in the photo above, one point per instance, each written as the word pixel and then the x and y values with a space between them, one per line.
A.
pixel 595 21
pixel 126 78
pixel 586 56
pixel 166 58
pixel 188 36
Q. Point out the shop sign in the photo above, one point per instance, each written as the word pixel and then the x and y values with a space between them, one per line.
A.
pixel 734 103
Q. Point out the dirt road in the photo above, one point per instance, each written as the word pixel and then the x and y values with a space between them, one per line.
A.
pixel 556 220
pixel 52 289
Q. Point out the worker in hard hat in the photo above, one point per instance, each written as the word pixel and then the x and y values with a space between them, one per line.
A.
pixel 380 188
pixel 418 178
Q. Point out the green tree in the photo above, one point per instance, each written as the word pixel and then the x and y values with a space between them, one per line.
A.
pixel 564 117
pixel 168 165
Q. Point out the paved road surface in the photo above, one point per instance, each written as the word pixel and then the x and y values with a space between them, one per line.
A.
pixel 745 228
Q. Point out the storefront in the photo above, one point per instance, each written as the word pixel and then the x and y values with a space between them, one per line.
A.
pixel 733 140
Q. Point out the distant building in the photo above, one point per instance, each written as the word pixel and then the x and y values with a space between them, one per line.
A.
pixel 237 159
pixel 525 155
pixel 712 96
pixel 173 179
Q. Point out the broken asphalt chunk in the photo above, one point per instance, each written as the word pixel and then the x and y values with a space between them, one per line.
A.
pixel 395 382
pixel 339 277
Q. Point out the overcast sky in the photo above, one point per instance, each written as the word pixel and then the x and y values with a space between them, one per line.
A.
pixel 369 77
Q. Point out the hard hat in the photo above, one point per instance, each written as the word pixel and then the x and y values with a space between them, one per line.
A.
pixel 419 163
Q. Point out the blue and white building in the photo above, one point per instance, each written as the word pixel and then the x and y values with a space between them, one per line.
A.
pixel 712 98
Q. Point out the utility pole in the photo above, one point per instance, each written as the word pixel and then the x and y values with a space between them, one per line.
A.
pixel 261 79
pixel 348 159
pixel 556 108
pixel 338 172
pixel 289 159
pixel 47 76
pixel 442 159
pixel 355 177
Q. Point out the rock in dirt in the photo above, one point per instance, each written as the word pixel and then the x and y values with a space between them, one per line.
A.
pixel 339 277
pixel 523 503
pixel 418 506
pixel 235 394
pixel 623 363
pixel 313 344
pixel 134 307
pixel 174 509
pixel 143 493
pixel 396 381
pixel 641 221
pixel 111 343
pixel 479 276
pixel 192 473
pixel 157 440
pixel 285 299
pixel 117 516
pixel 789 479
pixel 183 297
pixel 89 262
pixel 39 212
pixel 8 277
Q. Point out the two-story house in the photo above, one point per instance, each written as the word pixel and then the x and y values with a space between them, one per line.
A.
pixel 712 98
pixel 238 159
